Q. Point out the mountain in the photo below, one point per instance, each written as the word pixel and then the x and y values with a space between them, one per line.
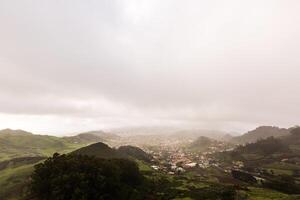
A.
pixel 14 132
pixel 102 150
pixel 261 132
pixel 99 150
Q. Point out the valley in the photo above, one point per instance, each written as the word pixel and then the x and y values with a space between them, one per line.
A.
pixel 195 167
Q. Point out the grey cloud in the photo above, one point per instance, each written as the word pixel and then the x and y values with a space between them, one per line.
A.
pixel 208 63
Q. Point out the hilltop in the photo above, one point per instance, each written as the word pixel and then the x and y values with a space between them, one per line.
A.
pixel 99 150
pixel 102 150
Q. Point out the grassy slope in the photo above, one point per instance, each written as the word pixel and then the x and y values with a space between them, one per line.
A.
pixel 15 144
pixel 12 181
pixel 21 145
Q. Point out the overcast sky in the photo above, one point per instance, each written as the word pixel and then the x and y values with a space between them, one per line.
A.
pixel 71 66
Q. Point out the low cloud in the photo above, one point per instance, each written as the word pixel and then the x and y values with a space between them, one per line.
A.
pixel 224 65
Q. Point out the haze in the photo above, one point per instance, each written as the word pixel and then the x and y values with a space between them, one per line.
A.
pixel 70 66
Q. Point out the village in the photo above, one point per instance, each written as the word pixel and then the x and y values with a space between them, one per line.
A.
pixel 174 159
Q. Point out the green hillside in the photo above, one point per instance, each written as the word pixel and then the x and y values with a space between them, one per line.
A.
pixel 17 143
pixel 102 150
pixel 13 181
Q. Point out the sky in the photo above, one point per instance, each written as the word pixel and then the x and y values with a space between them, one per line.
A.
pixel 69 66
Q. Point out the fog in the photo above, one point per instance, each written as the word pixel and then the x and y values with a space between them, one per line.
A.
pixel 70 66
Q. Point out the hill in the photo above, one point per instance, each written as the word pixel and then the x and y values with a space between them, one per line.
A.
pixel 83 177
pixel 261 132
pixel 103 135
pixel 19 143
pixel 99 150
pixel 280 154
pixel 84 138
pixel 102 150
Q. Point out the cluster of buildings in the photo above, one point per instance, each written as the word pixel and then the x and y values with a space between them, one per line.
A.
pixel 175 160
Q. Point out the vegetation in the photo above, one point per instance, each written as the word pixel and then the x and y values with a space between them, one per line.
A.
pixel 99 150
pixel 84 177
pixel 13 181
pixel 18 143
pixel 98 171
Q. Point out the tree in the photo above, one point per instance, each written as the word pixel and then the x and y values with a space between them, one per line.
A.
pixel 74 177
